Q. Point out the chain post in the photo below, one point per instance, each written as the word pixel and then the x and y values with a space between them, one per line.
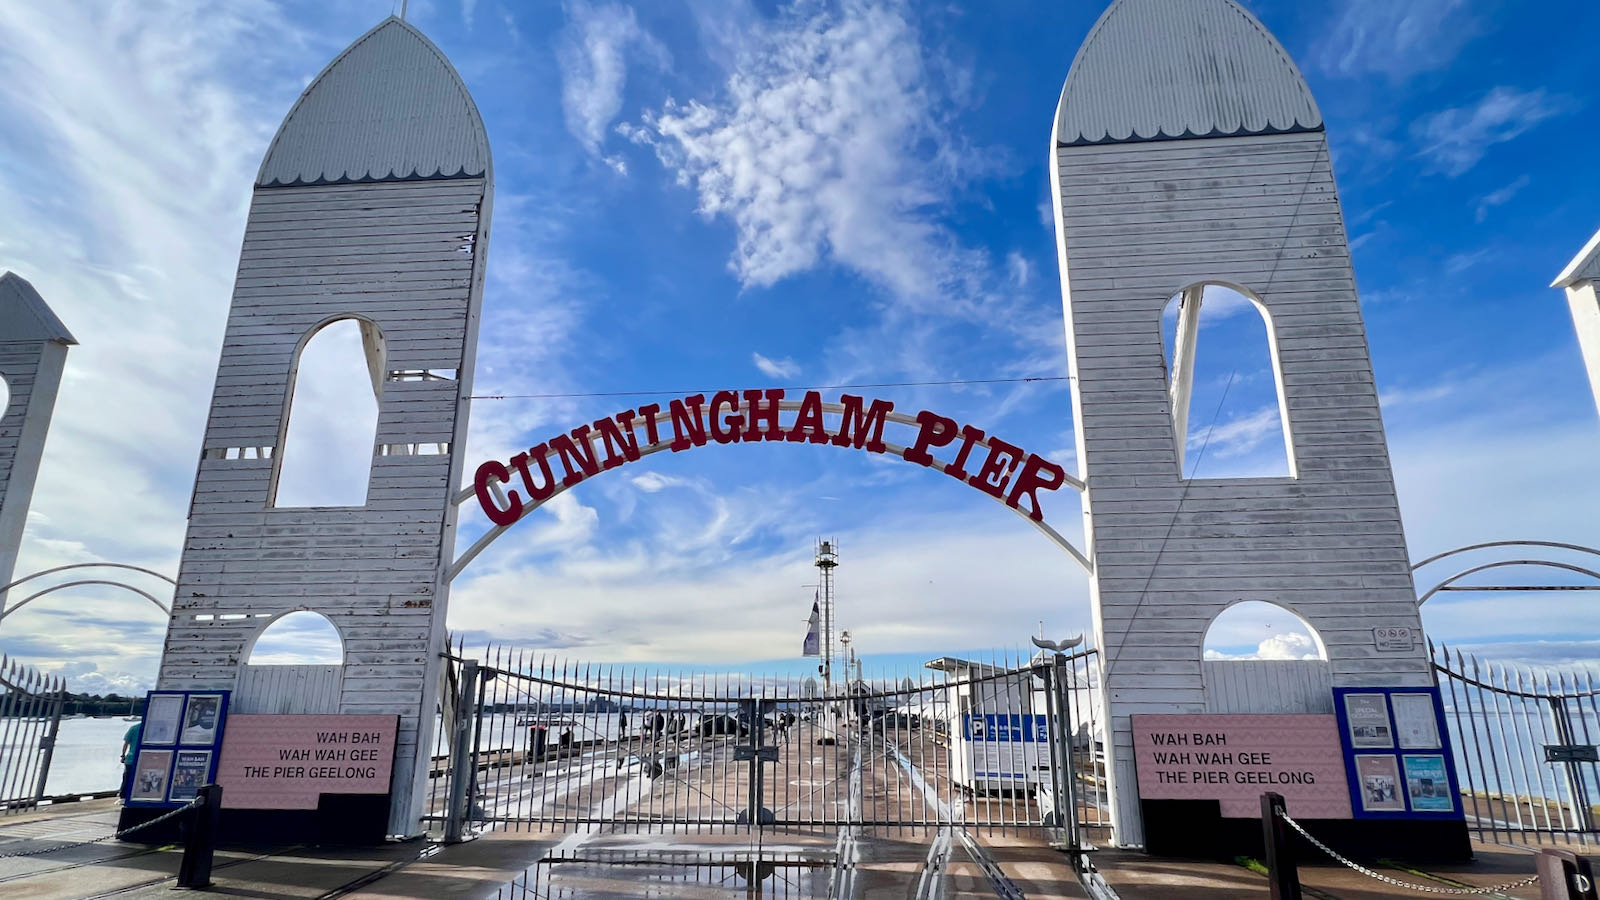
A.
pixel 1283 873
pixel 199 848
pixel 1564 875
pixel 461 771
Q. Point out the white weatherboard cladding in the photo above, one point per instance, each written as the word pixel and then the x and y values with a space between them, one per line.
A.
pixel 33 353
pixel 389 107
pixel 1268 686
pixel 408 256
pixel 1137 223
pixel 288 690
pixel 1581 281
pixel 25 317
pixel 1153 69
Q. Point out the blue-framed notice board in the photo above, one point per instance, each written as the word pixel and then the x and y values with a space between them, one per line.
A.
pixel 1397 753
pixel 180 743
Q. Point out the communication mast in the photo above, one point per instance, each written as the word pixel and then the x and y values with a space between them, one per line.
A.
pixel 825 563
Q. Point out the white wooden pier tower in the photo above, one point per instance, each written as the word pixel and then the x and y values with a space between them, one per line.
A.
pixel 33 352
pixel 1581 282
pixel 1187 150
pixel 372 204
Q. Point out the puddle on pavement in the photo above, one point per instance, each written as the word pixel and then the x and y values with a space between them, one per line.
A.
pixel 682 876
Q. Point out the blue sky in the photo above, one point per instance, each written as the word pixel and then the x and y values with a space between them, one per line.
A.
pixel 706 194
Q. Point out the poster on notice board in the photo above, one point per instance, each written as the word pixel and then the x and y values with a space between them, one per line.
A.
pixel 1368 715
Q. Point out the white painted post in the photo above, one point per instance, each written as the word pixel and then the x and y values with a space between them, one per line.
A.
pixel 1183 347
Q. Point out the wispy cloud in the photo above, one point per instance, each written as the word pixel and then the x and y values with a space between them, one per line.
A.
pixel 1455 139
pixel 1018 267
pixel 776 368
pixel 820 152
pixel 1396 40
pixel 1499 196
pixel 1235 437
pixel 594 51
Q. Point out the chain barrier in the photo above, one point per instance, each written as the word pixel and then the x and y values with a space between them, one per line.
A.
pixel 16 854
pixel 1424 888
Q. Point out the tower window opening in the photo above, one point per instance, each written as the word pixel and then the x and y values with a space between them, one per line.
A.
pixel 331 421
pixel 1255 629
pixel 1224 385
pixel 299 638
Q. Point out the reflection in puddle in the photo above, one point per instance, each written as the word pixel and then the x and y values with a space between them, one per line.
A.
pixel 601 874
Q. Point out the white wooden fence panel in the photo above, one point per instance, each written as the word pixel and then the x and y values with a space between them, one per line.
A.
pixel 283 690
pixel 1268 686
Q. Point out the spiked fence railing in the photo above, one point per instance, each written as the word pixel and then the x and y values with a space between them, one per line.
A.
pixel 30 719
pixel 532 742
pixel 1524 740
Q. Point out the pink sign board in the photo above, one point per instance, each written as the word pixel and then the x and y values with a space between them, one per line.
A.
pixel 1236 758
pixel 287 762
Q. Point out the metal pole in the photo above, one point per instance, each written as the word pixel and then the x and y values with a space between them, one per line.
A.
pixel 194 870
pixel 1069 777
pixel 1567 736
pixel 461 774
pixel 1283 873
pixel 47 744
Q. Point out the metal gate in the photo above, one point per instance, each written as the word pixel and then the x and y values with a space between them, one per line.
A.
pixel 1525 748
pixel 30 717
pixel 1006 744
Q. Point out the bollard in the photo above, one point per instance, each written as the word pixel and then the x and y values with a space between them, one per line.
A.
pixel 194 871
pixel 1283 872
pixel 1564 875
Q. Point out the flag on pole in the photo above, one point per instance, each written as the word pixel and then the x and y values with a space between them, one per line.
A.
pixel 812 647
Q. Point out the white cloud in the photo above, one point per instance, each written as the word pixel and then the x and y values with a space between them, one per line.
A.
pixel 819 152
pixel 1500 196
pixel 1235 437
pixel 1454 140
pixel 1393 39
pixel 901 590
pixel 1018 267
pixel 1395 397
pixel 134 154
pixel 469 11
pixel 776 368
pixel 655 482
pixel 594 51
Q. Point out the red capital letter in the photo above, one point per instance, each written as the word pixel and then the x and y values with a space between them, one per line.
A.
pixel 757 415
pixel 1038 474
pixel 730 434
pixel 997 468
pixel 492 470
pixel 864 431
pixel 935 431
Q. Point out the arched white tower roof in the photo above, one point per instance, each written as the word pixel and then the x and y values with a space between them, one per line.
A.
pixel 390 107
pixel 1585 265
pixel 1163 69
pixel 24 316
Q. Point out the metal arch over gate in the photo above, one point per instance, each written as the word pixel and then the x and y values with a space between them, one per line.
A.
pixel 1006 745
pixel 1003 471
